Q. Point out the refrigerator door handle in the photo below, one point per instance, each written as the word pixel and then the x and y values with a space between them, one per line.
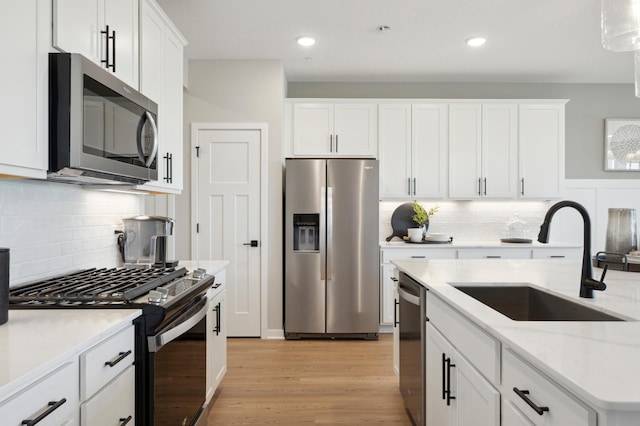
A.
pixel 329 253
pixel 323 233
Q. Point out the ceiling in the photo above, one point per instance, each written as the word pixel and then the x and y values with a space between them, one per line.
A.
pixel 527 40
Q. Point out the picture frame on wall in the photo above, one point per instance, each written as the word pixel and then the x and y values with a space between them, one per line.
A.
pixel 622 144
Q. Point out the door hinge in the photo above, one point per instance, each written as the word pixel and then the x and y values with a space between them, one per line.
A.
pixel 198 151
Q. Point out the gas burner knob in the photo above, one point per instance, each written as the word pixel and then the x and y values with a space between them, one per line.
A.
pixel 155 296
pixel 199 273
pixel 158 295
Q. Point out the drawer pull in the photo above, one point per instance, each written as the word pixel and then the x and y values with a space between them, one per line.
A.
pixel 53 406
pixel 493 256
pixel 418 257
pixel 523 394
pixel 558 256
pixel 125 420
pixel 121 356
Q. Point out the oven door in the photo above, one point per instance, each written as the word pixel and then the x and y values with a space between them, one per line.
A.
pixel 177 367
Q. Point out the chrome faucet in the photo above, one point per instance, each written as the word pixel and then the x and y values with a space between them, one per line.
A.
pixel 587 283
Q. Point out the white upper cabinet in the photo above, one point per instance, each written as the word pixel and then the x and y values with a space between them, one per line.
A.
pixel 394 129
pixel 413 150
pixel 161 78
pixel 24 87
pixel 105 31
pixel 483 150
pixel 542 144
pixel 334 130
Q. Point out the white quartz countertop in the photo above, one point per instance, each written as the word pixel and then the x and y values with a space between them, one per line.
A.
pixel 36 341
pixel 597 361
pixel 395 244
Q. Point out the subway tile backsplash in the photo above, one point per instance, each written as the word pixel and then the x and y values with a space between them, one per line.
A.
pixel 54 228
pixel 471 220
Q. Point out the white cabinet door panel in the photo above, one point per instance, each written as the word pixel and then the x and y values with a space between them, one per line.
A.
pixel 355 130
pixel 541 146
pixel 395 150
pixel 499 150
pixel 429 133
pixel 312 129
pixel 465 145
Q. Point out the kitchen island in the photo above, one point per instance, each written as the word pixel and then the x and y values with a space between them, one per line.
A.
pixel 594 363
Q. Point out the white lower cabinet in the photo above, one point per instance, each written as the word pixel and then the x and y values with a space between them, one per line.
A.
pixel 107 381
pixel 457 394
pixel 114 404
pixel 388 274
pixel 50 401
pixel 216 338
pixel 512 416
pixel 538 399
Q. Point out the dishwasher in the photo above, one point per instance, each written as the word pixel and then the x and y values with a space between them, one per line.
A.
pixel 413 317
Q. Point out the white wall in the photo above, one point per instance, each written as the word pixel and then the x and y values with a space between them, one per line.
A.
pixel 53 228
pixel 239 91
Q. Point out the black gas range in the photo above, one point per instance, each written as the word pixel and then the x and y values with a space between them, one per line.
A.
pixel 174 304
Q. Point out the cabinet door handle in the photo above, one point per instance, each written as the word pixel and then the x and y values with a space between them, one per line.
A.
pixel 53 406
pixel 522 186
pixel 395 314
pixel 330 143
pixel 408 186
pixel 121 356
pixel 108 38
pixel 124 420
pixel 217 310
pixel 414 186
pixel 479 186
pixel 485 186
pixel 336 143
pixel 449 367
pixel 523 394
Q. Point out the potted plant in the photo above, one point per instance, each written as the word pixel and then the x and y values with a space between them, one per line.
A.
pixel 421 216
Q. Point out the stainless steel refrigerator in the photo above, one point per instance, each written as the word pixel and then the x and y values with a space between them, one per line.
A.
pixel 331 248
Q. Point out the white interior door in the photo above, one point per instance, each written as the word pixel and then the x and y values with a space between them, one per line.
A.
pixel 228 218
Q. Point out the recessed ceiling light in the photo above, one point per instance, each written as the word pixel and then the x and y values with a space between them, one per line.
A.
pixel 476 41
pixel 306 41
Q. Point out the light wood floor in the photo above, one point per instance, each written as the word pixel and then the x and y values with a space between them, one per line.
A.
pixel 307 382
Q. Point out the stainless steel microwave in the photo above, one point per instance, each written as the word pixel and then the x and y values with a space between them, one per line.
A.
pixel 100 130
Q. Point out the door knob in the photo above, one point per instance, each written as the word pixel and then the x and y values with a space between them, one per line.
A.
pixel 253 243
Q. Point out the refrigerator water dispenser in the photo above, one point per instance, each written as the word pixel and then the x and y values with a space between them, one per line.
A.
pixel 306 229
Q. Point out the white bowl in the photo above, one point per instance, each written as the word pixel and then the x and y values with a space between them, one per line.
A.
pixel 439 238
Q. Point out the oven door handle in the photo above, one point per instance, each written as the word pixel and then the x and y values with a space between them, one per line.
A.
pixel 414 300
pixel 159 340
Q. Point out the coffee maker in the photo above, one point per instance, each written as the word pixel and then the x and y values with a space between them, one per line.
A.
pixel 144 241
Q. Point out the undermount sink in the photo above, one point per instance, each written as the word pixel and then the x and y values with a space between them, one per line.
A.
pixel 521 302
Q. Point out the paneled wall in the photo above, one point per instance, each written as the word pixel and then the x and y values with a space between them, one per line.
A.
pixel 53 228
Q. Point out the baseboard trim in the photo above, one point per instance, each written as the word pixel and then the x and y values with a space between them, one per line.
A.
pixel 273 334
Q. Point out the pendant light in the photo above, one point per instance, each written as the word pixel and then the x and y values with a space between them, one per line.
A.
pixel 620 25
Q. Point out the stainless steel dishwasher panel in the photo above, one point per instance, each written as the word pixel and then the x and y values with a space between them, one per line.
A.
pixel 412 354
